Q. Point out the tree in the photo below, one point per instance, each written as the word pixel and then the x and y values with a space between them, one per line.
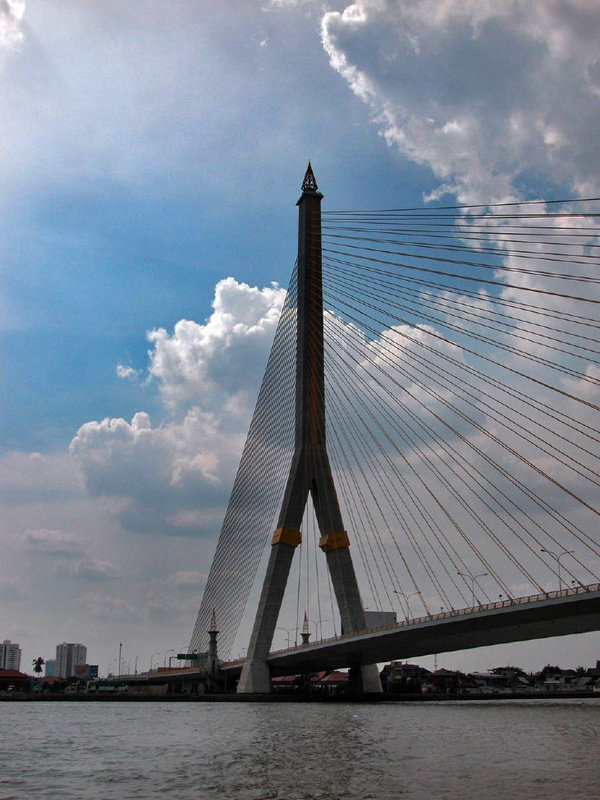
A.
pixel 38 663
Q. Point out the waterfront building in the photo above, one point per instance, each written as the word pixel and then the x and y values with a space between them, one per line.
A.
pixel 50 668
pixel 69 656
pixel 10 655
pixel 12 680
pixel 402 677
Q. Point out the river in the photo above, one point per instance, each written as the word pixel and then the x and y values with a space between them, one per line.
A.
pixel 475 750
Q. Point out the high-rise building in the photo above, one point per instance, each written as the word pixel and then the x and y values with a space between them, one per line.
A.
pixel 50 668
pixel 69 656
pixel 10 655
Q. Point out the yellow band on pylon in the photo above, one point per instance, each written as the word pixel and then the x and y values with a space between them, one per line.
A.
pixel 334 540
pixel 286 536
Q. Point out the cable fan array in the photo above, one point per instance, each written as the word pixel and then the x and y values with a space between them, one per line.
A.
pixel 256 492
pixel 462 396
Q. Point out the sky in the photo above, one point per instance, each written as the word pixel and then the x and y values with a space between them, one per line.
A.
pixel 152 156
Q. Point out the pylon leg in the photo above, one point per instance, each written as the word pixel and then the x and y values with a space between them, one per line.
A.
pixel 362 678
pixel 256 677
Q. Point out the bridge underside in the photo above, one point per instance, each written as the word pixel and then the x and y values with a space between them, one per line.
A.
pixel 555 616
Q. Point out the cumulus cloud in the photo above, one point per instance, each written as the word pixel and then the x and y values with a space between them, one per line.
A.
pixel 173 477
pixel 476 90
pixel 215 364
pixel 159 472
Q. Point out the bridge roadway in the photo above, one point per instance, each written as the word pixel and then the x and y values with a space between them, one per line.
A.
pixel 559 613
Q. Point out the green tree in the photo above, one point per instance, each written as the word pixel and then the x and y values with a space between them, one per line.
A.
pixel 38 663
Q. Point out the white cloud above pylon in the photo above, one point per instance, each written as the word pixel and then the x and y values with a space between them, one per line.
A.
pixel 476 90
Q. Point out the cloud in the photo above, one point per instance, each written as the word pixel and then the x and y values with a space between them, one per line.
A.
pixel 68 552
pixel 104 607
pixel 186 580
pixel 52 543
pixel 92 569
pixel 11 32
pixel 215 364
pixel 158 472
pixel 174 477
pixel 127 373
pixel 30 477
pixel 476 90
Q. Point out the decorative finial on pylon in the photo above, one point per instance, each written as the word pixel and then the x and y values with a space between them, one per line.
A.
pixel 213 623
pixel 305 628
pixel 309 183
pixel 305 632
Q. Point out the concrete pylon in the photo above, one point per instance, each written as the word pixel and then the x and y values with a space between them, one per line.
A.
pixel 310 472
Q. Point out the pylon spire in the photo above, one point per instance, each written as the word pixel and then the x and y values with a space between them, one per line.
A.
pixel 309 184
pixel 213 623
pixel 305 632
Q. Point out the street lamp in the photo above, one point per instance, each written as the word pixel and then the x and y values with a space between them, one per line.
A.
pixel 152 659
pixel 473 579
pixel 406 599
pixel 288 631
pixel 165 656
pixel 316 623
pixel 558 558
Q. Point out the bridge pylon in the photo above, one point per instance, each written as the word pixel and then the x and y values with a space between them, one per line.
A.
pixel 310 471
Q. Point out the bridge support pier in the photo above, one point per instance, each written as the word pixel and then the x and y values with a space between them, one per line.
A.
pixel 364 680
pixel 255 678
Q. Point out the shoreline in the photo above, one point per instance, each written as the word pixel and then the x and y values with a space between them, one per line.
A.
pixel 290 698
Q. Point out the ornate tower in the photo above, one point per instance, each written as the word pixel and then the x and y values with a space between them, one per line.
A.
pixel 310 470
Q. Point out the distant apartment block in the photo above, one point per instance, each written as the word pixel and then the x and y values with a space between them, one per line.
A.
pixel 50 668
pixel 68 657
pixel 10 655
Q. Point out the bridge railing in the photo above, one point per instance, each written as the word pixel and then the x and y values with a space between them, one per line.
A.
pixel 571 591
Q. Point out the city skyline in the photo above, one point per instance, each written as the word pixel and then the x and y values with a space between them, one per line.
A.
pixel 153 160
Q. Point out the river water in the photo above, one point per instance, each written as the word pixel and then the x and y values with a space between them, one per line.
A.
pixel 476 750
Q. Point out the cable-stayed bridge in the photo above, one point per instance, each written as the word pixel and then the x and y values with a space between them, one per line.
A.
pixel 425 439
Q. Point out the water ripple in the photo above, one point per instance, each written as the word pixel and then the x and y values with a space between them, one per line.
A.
pixel 522 750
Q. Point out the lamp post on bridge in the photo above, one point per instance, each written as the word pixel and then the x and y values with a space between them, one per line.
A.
pixel 287 631
pixel 317 623
pixel 558 558
pixel 473 579
pixel 152 659
pixel 406 599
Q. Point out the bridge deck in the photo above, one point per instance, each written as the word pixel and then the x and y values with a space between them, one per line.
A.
pixel 575 610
